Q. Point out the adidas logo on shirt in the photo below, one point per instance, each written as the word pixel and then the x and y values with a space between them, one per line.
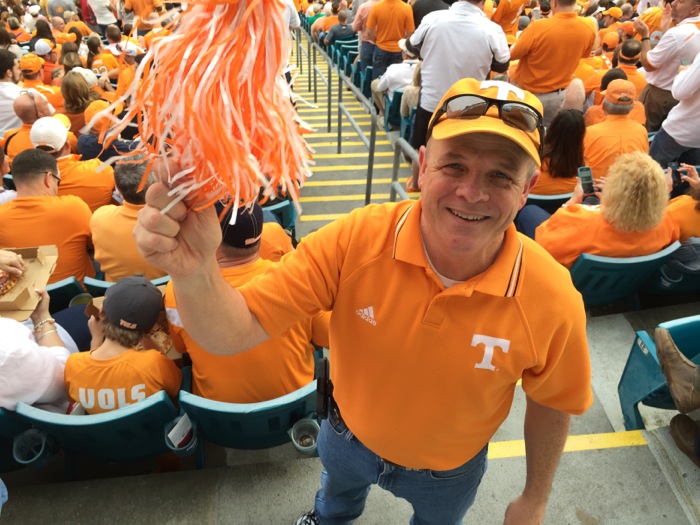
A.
pixel 367 314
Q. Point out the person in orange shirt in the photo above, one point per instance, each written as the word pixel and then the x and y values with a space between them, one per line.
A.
pixel 497 306
pixel 389 21
pixel 507 15
pixel 101 61
pixel 159 31
pixel 73 20
pixel 607 48
pixel 596 114
pixel 275 242
pixel 631 219
pixel 58 26
pixel 90 180
pixel 286 359
pixel 18 31
pixel 47 50
pixel 117 372
pixel 127 73
pixel 142 10
pixel 329 21
pixel 630 52
pixel 32 66
pixel 39 216
pixel 548 52
pixel 29 107
pixel 112 226
pixel 618 133
pixel 611 19
pixel 562 154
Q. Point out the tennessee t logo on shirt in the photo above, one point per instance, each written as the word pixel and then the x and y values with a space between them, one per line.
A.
pixel 490 343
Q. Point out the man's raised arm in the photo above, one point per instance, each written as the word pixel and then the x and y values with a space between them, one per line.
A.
pixel 183 243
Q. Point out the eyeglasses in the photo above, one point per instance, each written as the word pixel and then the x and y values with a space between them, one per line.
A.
pixel 470 107
pixel 58 179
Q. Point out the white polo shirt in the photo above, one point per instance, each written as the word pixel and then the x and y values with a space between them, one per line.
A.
pixel 397 76
pixel 678 44
pixel 682 122
pixel 8 119
pixel 460 42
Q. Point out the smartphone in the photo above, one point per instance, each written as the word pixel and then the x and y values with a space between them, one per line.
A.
pixel 586 176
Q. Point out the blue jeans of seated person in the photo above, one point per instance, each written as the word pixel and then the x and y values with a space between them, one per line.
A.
pixel 350 468
pixel 366 55
pixel 381 60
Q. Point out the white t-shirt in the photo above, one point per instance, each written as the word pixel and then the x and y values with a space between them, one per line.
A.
pixel 682 122
pixel 397 76
pixel 460 42
pixel 103 13
pixel 28 372
pixel 677 45
pixel 8 119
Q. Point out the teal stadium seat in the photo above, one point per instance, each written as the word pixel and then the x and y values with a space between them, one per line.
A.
pixel 407 124
pixel 643 381
pixel 129 433
pixel 549 203
pixel 8 182
pixel 63 292
pixel 367 82
pixel 392 111
pixel 249 426
pixel 286 215
pixel 604 280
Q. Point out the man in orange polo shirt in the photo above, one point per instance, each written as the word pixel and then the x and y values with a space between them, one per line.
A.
pixel 287 359
pixel 38 215
pixel 486 307
pixel 89 179
pixel 630 51
pixel 389 21
pixel 548 52
pixel 33 78
pixel 611 19
pixel 507 15
pixel 46 50
pixel 29 107
pixel 618 133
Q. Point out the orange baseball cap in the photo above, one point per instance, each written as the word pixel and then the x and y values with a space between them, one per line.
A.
pixel 611 39
pixel 446 127
pixel 615 12
pixel 628 28
pixel 31 63
pixel 621 92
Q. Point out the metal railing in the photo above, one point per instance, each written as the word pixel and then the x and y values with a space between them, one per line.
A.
pixel 400 146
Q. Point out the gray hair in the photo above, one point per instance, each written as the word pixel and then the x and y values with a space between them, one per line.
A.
pixel 617 109
pixel 128 176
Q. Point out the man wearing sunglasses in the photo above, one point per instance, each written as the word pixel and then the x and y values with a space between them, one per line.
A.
pixel 439 308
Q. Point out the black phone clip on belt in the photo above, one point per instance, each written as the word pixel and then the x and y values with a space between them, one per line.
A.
pixel 324 388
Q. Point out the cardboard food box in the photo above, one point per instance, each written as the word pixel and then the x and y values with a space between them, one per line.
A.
pixel 40 263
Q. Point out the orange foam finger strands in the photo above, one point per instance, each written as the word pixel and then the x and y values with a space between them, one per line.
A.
pixel 213 97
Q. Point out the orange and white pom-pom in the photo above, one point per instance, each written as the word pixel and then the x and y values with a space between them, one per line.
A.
pixel 214 98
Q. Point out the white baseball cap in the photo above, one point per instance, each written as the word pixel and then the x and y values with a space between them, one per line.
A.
pixel 49 133
pixel 42 48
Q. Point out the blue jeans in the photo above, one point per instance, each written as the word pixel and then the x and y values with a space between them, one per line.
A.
pixel 350 469
pixel 664 149
pixel 383 59
pixel 366 54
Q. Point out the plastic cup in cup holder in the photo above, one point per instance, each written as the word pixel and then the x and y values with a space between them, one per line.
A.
pixel 186 439
pixel 32 447
pixel 304 435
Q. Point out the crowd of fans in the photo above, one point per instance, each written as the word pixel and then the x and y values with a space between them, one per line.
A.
pixel 619 88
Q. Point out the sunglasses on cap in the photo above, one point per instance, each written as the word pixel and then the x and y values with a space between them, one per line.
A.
pixel 470 107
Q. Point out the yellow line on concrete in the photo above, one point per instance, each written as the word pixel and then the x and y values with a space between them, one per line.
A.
pixel 320 169
pixel 332 198
pixel 348 182
pixel 358 143
pixel 351 155
pixel 633 438
pixel 334 134
pixel 314 112
pixel 334 116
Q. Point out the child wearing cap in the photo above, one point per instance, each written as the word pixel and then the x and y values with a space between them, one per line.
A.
pixel 117 372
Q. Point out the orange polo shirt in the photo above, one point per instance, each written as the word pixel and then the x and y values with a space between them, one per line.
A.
pixel 684 210
pixel 577 229
pixel 549 50
pixel 115 248
pixel 63 221
pixel 548 185
pixel 52 93
pixel 274 242
pixel 606 141
pixel 102 385
pixel 126 78
pixel 406 357
pixel 82 178
pixel 596 114
pixel 142 9
pixel 277 367
pixel 328 22
pixel 507 15
pixel 48 68
pixel 20 141
pixel 393 20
